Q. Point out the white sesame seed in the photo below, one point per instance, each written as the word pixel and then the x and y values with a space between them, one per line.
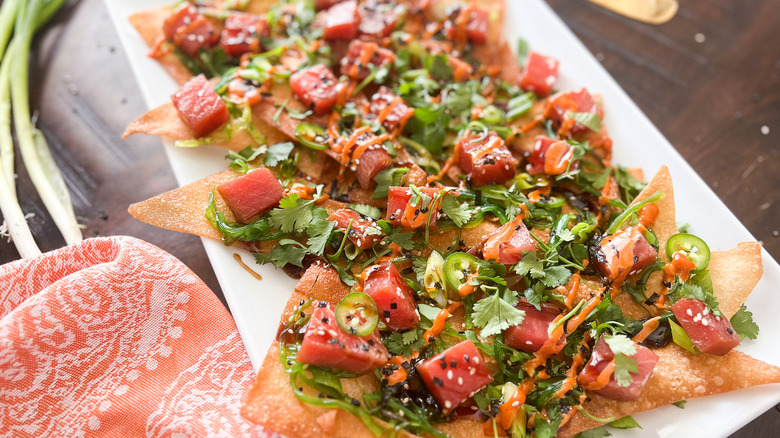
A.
pixel 460 380
pixel 706 311
pixel 705 322
pixel 476 361
pixel 765 130
pixel 405 400
pixel 699 38
pixel 447 404
pixel 449 374
pixel 529 343
pixel 472 371
pixel 400 413
pixel 515 404
pixel 689 312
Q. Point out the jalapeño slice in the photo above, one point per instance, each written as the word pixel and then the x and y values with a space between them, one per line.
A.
pixel 312 136
pixel 458 267
pixel 693 247
pixel 357 314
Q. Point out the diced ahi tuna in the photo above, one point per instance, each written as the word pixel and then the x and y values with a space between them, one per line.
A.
pixel 390 110
pixel 550 157
pixel 485 159
pixel 532 333
pixel 370 163
pixel 624 253
pixel 200 106
pixel 326 345
pixel 325 4
pixel 316 87
pixel 540 74
pixel 603 355
pixel 393 297
pixel 710 334
pixel 190 30
pixel 562 105
pixel 241 34
pixel 470 24
pixel 362 232
pixel 251 194
pixel 454 375
pixel 377 19
pixel 361 56
pixel 340 21
pixel 401 212
pixel 507 243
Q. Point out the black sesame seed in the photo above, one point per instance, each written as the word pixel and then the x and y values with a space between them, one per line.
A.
pixel 325 320
pixel 729 331
pixel 322 304
pixel 355 402
pixel 438 382
pixel 386 313
pixel 454 363
pixel 393 306
pixel 334 341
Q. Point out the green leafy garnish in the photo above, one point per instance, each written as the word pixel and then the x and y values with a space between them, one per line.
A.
pixel 493 313
pixel 743 324
pixel 623 348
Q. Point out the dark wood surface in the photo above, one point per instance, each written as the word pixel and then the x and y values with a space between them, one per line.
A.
pixel 709 80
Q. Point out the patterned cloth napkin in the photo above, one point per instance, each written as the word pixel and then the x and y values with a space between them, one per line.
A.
pixel 114 337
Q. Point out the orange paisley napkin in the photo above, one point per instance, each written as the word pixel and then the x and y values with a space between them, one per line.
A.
pixel 114 337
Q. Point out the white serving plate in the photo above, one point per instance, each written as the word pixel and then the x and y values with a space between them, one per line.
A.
pixel 256 305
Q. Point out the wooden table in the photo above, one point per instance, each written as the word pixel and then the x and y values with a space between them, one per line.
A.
pixel 709 80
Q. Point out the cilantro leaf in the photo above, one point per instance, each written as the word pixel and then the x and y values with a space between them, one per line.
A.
pixel 692 291
pixel 589 120
pixel 277 153
pixel 543 429
pixel 367 210
pixel 459 213
pixel 680 404
pixel 494 314
pixel 319 233
pixel 530 264
pixel 629 185
pixel 533 297
pixel 386 179
pixel 409 337
pixel 293 214
pixel 626 422
pixel 555 276
pixel 624 365
pixel 438 66
pixel 282 255
pixel 623 348
pixel 403 239
pixel 743 324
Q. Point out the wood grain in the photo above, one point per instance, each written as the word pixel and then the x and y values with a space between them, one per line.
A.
pixel 709 98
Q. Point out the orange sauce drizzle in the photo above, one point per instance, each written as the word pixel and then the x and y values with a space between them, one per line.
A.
pixel 573 289
pixel 557 158
pixel 244 265
pixel 578 319
pixel 647 328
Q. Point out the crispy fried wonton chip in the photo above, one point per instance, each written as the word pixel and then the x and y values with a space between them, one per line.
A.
pixel 272 404
pixel 184 209
pixel 149 25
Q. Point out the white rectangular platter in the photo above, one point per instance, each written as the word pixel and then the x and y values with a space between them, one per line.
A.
pixel 256 305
